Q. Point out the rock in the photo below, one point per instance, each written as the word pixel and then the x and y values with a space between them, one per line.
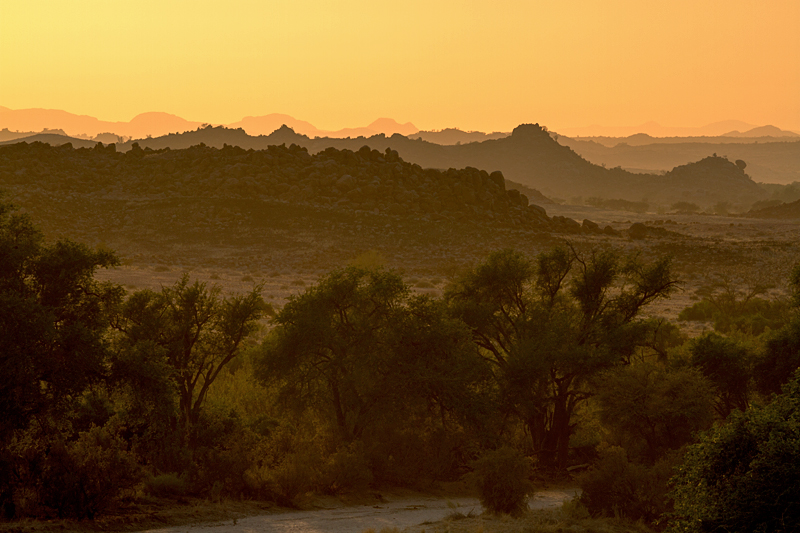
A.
pixel 608 230
pixel 637 231
pixel 346 183
pixel 590 226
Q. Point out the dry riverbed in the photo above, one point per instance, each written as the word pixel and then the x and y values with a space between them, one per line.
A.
pixel 396 512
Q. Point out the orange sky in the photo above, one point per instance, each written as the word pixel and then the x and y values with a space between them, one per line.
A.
pixel 481 65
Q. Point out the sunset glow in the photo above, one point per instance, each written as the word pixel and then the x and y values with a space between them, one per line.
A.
pixel 475 65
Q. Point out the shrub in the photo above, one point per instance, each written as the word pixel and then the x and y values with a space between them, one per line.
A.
pixel 502 480
pixel 347 469
pixel 619 488
pixel 166 486
pixel 745 474
pixel 82 479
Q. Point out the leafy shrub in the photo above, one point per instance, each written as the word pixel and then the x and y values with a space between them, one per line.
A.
pixel 347 469
pixel 745 474
pixel 755 316
pixel 502 480
pixel 617 487
pixel 779 359
pixel 166 486
pixel 82 479
pixel 296 475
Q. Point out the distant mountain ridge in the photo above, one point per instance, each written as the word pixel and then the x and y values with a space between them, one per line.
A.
pixel 654 129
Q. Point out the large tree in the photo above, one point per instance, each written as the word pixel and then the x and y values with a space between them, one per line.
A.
pixel 190 331
pixel 53 320
pixel 357 348
pixel 549 326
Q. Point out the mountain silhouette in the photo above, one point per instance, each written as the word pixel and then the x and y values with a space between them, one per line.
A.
pixel 266 124
pixel 762 131
pixel 155 124
pixel 655 129
pixel 530 156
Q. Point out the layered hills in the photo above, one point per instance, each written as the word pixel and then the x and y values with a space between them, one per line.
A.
pixel 529 156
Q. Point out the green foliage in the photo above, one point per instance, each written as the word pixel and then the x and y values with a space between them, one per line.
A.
pixel 365 358
pixel 347 469
pixel 53 319
pixel 620 488
pixel 745 474
pixel 189 331
pixel 502 479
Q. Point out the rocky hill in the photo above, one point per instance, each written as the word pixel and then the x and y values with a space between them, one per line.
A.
pixel 769 160
pixel 790 210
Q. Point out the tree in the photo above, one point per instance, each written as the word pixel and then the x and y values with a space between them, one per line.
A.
pixel 745 474
pixel 189 330
pixel 53 320
pixel 548 327
pixel 652 409
pixel 357 348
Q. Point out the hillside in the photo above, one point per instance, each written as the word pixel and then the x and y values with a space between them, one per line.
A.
pixel 248 207
pixel 770 160
pixel 784 211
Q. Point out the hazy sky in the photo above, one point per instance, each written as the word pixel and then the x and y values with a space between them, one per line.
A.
pixel 483 65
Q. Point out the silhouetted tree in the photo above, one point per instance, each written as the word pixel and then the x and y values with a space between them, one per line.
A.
pixel 192 332
pixel 548 327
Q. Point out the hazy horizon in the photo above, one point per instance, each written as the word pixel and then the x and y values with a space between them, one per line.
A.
pixel 157 123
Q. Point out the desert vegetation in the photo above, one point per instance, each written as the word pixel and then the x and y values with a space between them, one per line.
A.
pixel 347 321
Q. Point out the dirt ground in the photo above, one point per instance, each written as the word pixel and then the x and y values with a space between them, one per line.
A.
pixel 388 511
pixel 398 512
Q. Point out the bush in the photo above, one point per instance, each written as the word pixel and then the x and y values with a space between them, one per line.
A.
pixel 166 486
pixel 502 480
pixel 745 474
pixel 84 478
pixel 619 488
pixel 347 469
